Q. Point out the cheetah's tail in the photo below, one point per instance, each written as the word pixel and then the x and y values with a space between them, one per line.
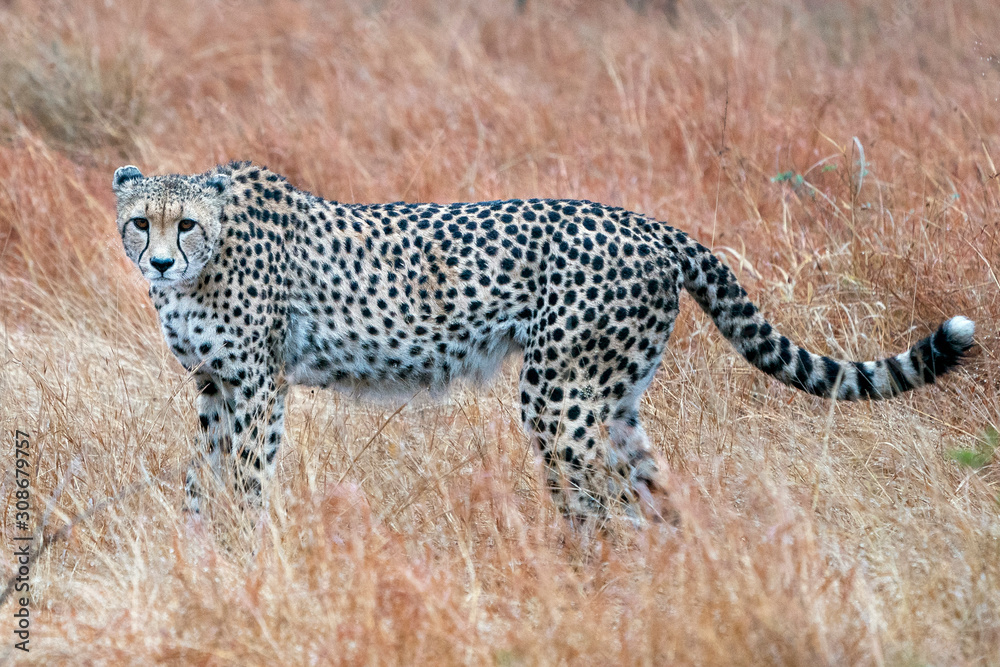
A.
pixel 715 289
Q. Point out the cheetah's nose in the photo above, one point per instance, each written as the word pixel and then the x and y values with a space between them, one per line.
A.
pixel 161 265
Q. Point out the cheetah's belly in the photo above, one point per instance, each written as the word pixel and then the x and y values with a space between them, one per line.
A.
pixel 321 356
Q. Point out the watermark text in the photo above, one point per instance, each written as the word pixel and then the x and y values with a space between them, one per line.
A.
pixel 22 540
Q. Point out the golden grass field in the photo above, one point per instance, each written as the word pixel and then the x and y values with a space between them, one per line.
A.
pixel 840 155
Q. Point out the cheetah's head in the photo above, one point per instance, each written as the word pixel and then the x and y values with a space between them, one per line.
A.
pixel 170 225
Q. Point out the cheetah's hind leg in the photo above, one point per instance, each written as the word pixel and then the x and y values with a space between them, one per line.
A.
pixel 633 461
pixel 597 458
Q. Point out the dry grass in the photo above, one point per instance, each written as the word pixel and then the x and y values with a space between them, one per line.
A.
pixel 812 534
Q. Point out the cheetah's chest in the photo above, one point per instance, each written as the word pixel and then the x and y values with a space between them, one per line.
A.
pixel 183 328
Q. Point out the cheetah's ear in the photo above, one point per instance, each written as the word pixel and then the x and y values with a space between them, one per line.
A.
pixel 219 183
pixel 124 176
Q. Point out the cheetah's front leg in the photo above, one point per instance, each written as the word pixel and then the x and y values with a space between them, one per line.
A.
pixel 258 425
pixel 242 422
pixel 215 441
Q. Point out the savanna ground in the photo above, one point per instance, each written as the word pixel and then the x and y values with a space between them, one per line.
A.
pixel 840 155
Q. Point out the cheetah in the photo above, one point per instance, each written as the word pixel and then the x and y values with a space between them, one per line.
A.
pixel 260 286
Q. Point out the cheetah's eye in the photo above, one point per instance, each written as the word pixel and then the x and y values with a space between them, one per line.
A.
pixel 141 223
pixel 186 225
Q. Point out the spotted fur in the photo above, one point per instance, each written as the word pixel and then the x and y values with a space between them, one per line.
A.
pixel 260 286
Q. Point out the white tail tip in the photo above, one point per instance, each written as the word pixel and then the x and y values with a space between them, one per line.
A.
pixel 960 330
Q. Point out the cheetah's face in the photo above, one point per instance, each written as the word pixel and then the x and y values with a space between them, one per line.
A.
pixel 170 226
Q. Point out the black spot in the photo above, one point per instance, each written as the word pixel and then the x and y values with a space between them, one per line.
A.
pixel 832 372
pixel 865 386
